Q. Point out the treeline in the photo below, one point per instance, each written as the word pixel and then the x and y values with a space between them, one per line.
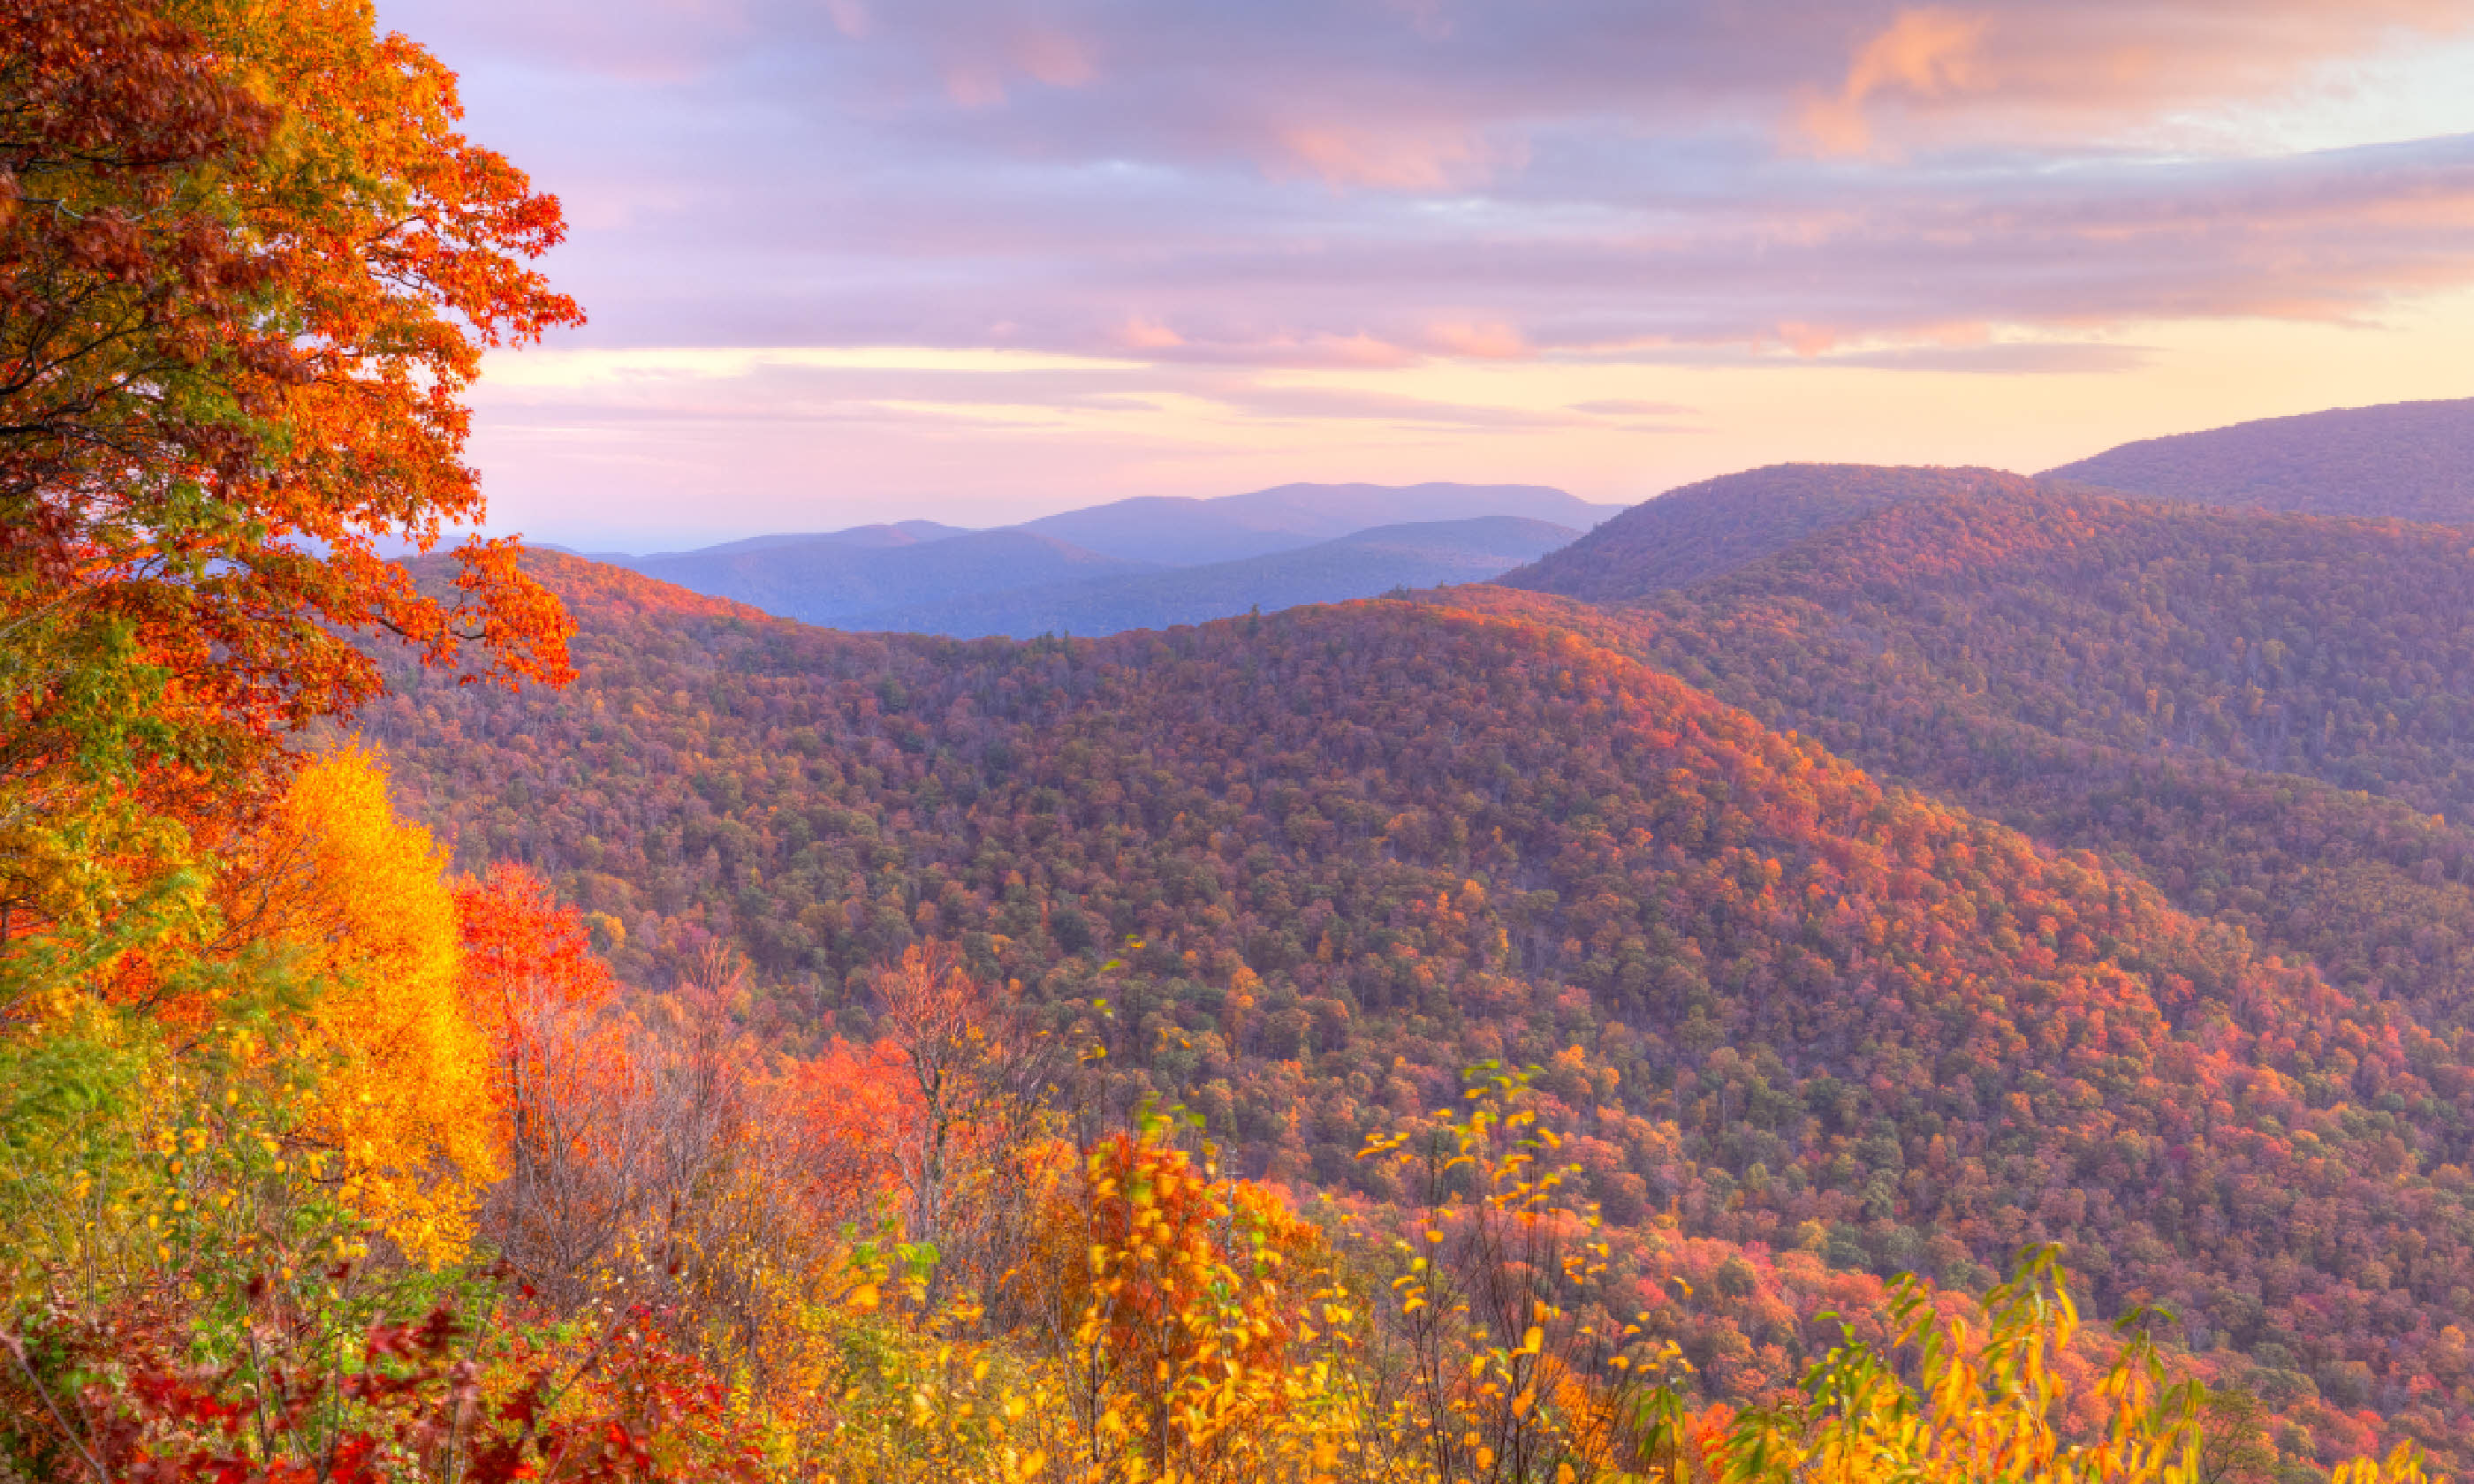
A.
pixel 1701 532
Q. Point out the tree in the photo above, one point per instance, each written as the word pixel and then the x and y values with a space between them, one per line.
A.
pixel 1176 1305
pixel 974 1089
pixel 401 1112
pixel 2234 1447
pixel 525 960
pixel 247 271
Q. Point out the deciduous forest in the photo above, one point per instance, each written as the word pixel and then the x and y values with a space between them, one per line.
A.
pixel 1843 973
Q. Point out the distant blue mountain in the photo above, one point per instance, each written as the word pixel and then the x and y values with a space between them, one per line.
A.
pixel 1364 564
pixel 1185 532
pixel 901 533
pixel 832 580
pixel 1139 563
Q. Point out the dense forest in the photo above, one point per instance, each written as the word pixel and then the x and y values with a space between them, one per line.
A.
pixel 498 1017
pixel 1787 1007
pixel 2262 714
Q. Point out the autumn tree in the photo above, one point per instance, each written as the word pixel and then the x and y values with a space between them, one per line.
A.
pixel 974 1085
pixel 403 1106
pixel 1504 1359
pixel 852 1105
pixel 2234 1444
pixel 527 964
pixel 248 267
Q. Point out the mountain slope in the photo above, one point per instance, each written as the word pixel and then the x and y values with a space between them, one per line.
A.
pixel 833 581
pixel 1692 534
pixel 1187 532
pixel 2407 461
pixel 1344 852
pixel 1361 565
pixel 2260 713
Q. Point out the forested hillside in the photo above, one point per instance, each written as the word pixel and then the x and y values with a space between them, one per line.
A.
pixel 2405 461
pixel 2268 713
pixel 1790 1007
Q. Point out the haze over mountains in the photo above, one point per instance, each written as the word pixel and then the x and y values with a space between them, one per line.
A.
pixel 1150 562
pixel 1098 570
pixel 1369 562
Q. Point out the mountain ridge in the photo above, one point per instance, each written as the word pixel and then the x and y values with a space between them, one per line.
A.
pixel 2405 461
pixel 1695 531
pixel 1081 570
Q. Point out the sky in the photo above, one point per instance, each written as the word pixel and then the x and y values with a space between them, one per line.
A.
pixel 978 260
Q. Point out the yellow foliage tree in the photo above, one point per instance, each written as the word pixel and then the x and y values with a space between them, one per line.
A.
pixel 403 1112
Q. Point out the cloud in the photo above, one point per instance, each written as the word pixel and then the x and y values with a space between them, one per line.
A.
pixel 1625 407
pixel 850 18
pixel 2018 358
pixel 1822 256
pixel 1330 402
pixel 784 385
pixel 1222 200
pixel 1491 341
pixel 1926 53
pixel 1142 334
pixel 1402 159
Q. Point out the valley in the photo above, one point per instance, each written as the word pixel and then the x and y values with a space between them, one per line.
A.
pixel 1891 866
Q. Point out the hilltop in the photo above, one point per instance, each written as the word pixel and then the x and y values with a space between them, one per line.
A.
pixel 2267 715
pixel 2408 461
pixel 1692 534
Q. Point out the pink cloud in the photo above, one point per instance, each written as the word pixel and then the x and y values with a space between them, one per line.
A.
pixel 974 85
pixel 1142 334
pixel 1390 159
pixel 1292 184
pixel 1806 340
pixel 850 18
pixel 1925 54
pixel 1491 341
pixel 1055 59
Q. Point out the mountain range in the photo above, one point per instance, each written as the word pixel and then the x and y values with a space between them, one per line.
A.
pixel 1101 569
pixel 1884 868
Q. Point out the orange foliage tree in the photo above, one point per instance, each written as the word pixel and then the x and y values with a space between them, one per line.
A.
pixel 1173 1302
pixel 525 958
pixel 402 1113
pixel 971 1087
pixel 851 1104
pixel 248 267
